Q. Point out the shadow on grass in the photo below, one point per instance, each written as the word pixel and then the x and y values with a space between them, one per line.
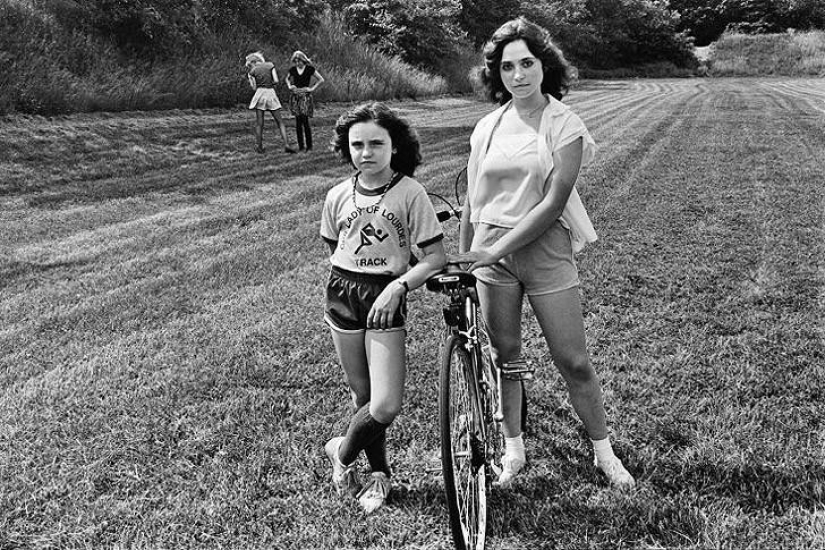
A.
pixel 12 271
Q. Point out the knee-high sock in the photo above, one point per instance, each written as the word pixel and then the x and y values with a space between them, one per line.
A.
pixel 377 454
pixel 363 430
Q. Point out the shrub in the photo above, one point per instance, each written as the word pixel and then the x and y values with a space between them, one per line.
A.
pixel 787 54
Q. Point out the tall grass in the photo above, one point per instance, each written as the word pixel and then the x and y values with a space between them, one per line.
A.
pixel 790 54
pixel 357 71
pixel 49 69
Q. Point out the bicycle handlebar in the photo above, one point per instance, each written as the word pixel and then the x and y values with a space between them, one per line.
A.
pixel 444 215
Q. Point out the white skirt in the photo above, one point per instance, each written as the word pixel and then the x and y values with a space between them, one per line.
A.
pixel 265 99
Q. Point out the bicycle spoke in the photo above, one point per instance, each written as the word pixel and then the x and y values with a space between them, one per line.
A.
pixel 463 447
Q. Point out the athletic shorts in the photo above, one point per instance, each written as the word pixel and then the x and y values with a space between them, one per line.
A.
pixel 350 296
pixel 544 266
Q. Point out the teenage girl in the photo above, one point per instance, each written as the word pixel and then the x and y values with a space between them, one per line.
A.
pixel 303 79
pixel 522 223
pixel 370 221
pixel 262 77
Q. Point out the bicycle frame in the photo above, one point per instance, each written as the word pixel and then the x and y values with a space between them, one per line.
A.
pixel 470 412
pixel 467 328
pixel 481 426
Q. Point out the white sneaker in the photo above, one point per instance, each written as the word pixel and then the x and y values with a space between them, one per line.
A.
pixel 510 467
pixel 616 473
pixel 345 478
pixel 375 492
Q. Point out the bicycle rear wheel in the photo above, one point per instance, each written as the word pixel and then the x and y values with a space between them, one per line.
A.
pixel 462 447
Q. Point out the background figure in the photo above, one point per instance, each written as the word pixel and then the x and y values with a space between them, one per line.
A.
pixel 522 223
pixel 303 79
pixel 263 77
pixel 366 295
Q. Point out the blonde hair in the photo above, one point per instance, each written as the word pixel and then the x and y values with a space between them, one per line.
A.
pixel 298 54
pixel 254 56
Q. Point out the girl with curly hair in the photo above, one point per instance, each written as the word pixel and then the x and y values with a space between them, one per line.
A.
pixel 370 221
pixel 522 223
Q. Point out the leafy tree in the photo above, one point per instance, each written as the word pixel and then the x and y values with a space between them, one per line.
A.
pixel 701 19
pixel 263 18
pixel 419 32
pixel 706 20
pixel 608 34
pixel 480 18
pixel 806 14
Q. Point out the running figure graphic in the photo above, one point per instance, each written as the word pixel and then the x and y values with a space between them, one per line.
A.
pixel 370 231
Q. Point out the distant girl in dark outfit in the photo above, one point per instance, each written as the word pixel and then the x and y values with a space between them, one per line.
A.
pixel 302 80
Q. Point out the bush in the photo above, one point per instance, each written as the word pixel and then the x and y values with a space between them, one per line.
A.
pixel 787 54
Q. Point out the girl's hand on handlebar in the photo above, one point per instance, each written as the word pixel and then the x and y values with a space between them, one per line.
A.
pixel 476 259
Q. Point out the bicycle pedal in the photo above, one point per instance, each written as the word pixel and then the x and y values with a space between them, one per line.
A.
pixel 518 370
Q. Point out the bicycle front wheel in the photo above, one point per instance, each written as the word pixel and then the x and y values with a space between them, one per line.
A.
pixel 463 447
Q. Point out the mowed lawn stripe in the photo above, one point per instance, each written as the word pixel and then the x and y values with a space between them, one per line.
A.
pixel 168 380
pixel 695 229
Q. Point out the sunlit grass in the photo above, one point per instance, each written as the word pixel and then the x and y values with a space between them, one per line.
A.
pixel 168 382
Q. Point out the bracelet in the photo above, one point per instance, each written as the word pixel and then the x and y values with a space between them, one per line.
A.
pixel 404 284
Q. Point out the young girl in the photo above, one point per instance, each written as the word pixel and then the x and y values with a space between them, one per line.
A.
pixel 303 79
pixel 262 77
pixel 370 221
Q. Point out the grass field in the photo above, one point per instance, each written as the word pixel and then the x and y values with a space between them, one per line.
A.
pixel 167 380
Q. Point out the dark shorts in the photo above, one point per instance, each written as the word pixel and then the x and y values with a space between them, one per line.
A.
pixel 350 296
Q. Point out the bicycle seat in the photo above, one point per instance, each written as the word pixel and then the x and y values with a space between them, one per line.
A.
pixel 453 277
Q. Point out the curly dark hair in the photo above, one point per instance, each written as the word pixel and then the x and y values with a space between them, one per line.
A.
pixel 404 139
pixel 558 72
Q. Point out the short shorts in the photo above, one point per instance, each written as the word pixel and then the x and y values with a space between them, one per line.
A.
pixel 265 99
pixel 544 266
pixel 350 296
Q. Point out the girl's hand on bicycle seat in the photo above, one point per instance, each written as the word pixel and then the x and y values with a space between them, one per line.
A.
pixel 476 259
pixel 385 306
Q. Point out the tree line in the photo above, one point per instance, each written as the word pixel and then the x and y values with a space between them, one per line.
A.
pixel 67 55
pixel 599 34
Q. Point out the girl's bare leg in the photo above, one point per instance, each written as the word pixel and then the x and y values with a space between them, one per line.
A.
pixel 276 115
pixel 559 315
pixel 501 309
pixel 259 129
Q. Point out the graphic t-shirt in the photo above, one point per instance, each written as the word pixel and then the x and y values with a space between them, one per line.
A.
pixel 375 234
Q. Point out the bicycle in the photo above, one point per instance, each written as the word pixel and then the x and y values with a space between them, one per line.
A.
pixel 470 412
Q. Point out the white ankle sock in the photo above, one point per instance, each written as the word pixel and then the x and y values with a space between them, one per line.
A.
pixel 603 450
pixel 514 446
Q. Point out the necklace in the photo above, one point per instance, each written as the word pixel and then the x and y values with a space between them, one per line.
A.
pixel 383 189
pixel 532 113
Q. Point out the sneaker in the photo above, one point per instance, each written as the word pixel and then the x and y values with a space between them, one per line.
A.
pixel 616 473
pixel 290 150
pixel 510 467
pixel 345 478
pixel 375 492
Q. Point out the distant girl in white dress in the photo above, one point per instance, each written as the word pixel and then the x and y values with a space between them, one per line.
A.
pixel 262 77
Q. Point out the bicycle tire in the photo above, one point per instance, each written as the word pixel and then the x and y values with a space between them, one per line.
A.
pixel 462 447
